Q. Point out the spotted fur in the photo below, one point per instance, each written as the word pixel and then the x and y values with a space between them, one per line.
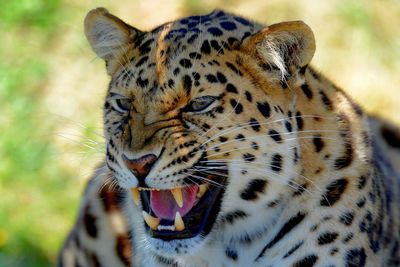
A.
pixel 311 180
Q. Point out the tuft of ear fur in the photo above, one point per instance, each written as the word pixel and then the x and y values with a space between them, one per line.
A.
pixel 283 45
pixel 108 36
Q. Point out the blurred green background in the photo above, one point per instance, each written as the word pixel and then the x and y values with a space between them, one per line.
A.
pixel 52 86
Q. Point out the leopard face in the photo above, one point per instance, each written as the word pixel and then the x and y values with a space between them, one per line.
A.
pixel 200 124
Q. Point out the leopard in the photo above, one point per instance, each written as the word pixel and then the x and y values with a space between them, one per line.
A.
pixel 225 147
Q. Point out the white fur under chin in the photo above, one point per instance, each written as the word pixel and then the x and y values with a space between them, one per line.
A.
pixel 168 248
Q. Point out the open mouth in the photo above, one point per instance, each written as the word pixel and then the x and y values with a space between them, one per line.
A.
pixel 181 212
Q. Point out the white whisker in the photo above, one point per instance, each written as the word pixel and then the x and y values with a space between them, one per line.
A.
pixel 258 166
pixel 267 122
pixel 279 134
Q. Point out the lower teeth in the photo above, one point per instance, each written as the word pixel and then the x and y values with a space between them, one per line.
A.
pixel 166 227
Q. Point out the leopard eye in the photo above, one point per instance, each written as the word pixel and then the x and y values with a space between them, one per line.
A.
pixel 122 104
pixel 199 104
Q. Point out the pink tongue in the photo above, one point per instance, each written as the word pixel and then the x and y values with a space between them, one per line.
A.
pixel 164 205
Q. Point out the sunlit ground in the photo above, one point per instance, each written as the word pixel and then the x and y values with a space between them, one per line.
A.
pixel 52 86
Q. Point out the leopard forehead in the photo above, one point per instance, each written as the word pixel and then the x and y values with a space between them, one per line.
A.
pixel 165 63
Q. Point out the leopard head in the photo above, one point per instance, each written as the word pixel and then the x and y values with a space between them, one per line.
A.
pixel 199 122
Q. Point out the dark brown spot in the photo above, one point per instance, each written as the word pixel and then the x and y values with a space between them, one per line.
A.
pixel 89 222
pixel 222 139
pixel 211 78
pixel 232 216
pixel 248 95
pixel 231 88
pixel 216 46
pixel 176 71
pixel 361 202
pixel 307 91
pixel 318 143
pixel 232 254
pixel 248 157
pixel 111 197
pixel 146 46
pixel 345 160
pixel 142 82
pixel 221 78
pixel 334 251
pixel 345 132
pixel 303 69
pixel 357 109
pixel 124 249
pixel 236 106
pixel 264 109
pixel 356 258
pixel 285 230
pixel 141 61
pixel 391 136
pixel 348 237
pixel 288 126
pixel 293 249
pixel 333 192
pixel 347 218
pixel 205 47
pixel 187 84
pixel 276 163
pixel 233 68
pixel 325 100
pixel 254 187
pixel 362 180
pixel 275 136
pixel 186 63
pixel 299 189
pixel 307 261
pixel 327 238
pixel 95 260
pixel 240 137
pixel 254 145
pixel 194 55
pixel 171 83
pixel 254 124
pixel 299 120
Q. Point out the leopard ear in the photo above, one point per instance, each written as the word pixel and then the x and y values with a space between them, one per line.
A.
pixel 283 45
pixel 109 36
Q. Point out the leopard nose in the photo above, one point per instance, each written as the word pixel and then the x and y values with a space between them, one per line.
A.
pixel 140 167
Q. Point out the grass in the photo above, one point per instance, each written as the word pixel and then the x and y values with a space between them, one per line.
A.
pixel 32 213
pixel 51 90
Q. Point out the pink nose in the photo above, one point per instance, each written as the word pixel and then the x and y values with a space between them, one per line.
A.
pixel 140 167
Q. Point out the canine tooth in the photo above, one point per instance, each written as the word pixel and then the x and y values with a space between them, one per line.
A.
pixel 202 189
pixel 135 195
pixel 179 224
pixel 151 221
pixel 177 194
